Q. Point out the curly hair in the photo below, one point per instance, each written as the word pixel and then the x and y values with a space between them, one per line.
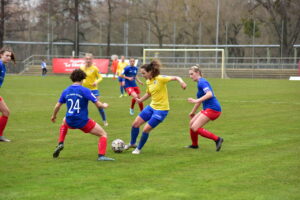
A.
pixel 153 67
pixel 77 75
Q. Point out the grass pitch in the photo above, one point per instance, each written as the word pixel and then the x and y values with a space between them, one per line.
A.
pixel 259 159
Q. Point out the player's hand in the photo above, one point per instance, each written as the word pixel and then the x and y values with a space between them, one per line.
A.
pixel 183 85
pixel 138 100
pixel 53 118
pixel 94 84
pixel 130 78
pixel 191 115
pixel 191 100
pixel 104 105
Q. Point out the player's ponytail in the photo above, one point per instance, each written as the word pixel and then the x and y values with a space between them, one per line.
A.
pixel 153 67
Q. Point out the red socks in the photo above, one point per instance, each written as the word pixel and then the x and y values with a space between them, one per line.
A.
pixel 132 103
pixel 102 145
pixel 141 105
pixel 194 137
pixel 62 133
pixel 3 122
pixel 207 134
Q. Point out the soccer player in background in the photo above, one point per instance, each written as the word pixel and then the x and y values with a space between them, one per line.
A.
pixel 76 97
pixel 130 75
pixel 44 67
pixel 158 109
pixel 6 55
pixel 114 65
pixel 121 65
pixel 211 110
pixel 93 78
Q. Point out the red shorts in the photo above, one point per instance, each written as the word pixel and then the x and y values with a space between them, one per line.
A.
pixel 129 90
pixel 87 128
pixel 211 114
pixel 1 98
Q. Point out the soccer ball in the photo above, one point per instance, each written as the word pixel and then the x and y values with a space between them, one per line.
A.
pixel 118 146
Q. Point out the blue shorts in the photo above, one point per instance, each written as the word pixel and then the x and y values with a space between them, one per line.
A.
pixel 121 79
pixel 96 93
pixel 152 116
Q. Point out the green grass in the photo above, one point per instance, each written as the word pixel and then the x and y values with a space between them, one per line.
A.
pixel 259 159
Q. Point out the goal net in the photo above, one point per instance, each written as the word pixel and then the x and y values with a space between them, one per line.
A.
pixel 178 61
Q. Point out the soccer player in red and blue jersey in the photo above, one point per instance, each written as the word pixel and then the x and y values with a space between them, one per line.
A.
pixel 6 55
pixel 130 75
pixel 211 110
pixel 76 97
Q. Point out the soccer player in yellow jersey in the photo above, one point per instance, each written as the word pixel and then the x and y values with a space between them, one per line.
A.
pixel 93 77
pixel 158 109
pixel 120 68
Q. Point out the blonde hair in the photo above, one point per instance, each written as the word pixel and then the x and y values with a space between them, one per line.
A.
pixel 196 69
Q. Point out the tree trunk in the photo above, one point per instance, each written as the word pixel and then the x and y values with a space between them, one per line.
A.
pixel 76 29
pixel 2 24
pixel 109 27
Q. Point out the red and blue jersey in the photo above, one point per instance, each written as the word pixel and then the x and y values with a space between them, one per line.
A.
pixel 76 97
pixel 2 72
pixel 130 71
pixel 203 87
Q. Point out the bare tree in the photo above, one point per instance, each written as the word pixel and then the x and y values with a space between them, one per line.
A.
pixel 285 19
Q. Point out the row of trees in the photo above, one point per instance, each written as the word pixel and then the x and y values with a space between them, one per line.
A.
pixel 152 21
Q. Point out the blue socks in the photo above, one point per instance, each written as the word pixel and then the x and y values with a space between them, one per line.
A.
pixel 143 140
pixel 134 134
pixel 102 113
pixel 122 89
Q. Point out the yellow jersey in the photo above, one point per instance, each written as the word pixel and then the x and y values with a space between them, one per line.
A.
pixel 121 66
pixel 92 75
pixel 157 88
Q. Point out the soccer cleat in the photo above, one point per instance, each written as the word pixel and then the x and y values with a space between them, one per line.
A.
pixel 121 95
pixel 58 149
pixel 125 95
pixel 104 158
pixel 136 151
pixel 192 147
pixel 219 143
pixel 3 139
pixel 131 111
pixel 105 123
pixel 127 146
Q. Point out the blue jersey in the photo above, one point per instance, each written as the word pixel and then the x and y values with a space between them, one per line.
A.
pixel 203 88
pixel 76 98
pixel 2 72
pixel 130 71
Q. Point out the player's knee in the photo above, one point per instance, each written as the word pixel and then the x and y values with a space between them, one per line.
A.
pixel 193 127
pixel 6 112
pixel 135 124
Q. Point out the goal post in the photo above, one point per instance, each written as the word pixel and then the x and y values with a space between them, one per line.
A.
pixel 185 57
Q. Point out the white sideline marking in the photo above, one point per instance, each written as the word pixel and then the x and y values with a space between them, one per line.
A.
pixel 294 78
pixel 170 98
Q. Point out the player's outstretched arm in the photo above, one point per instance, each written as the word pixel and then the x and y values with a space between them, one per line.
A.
pixel 98 104
pixel 55 111
pixel 179 79
pixel 208 95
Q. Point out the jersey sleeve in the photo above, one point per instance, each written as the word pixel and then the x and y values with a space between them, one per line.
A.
pixel 204 86
pixel 62 98
pixel 164 79
pixel 89 95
